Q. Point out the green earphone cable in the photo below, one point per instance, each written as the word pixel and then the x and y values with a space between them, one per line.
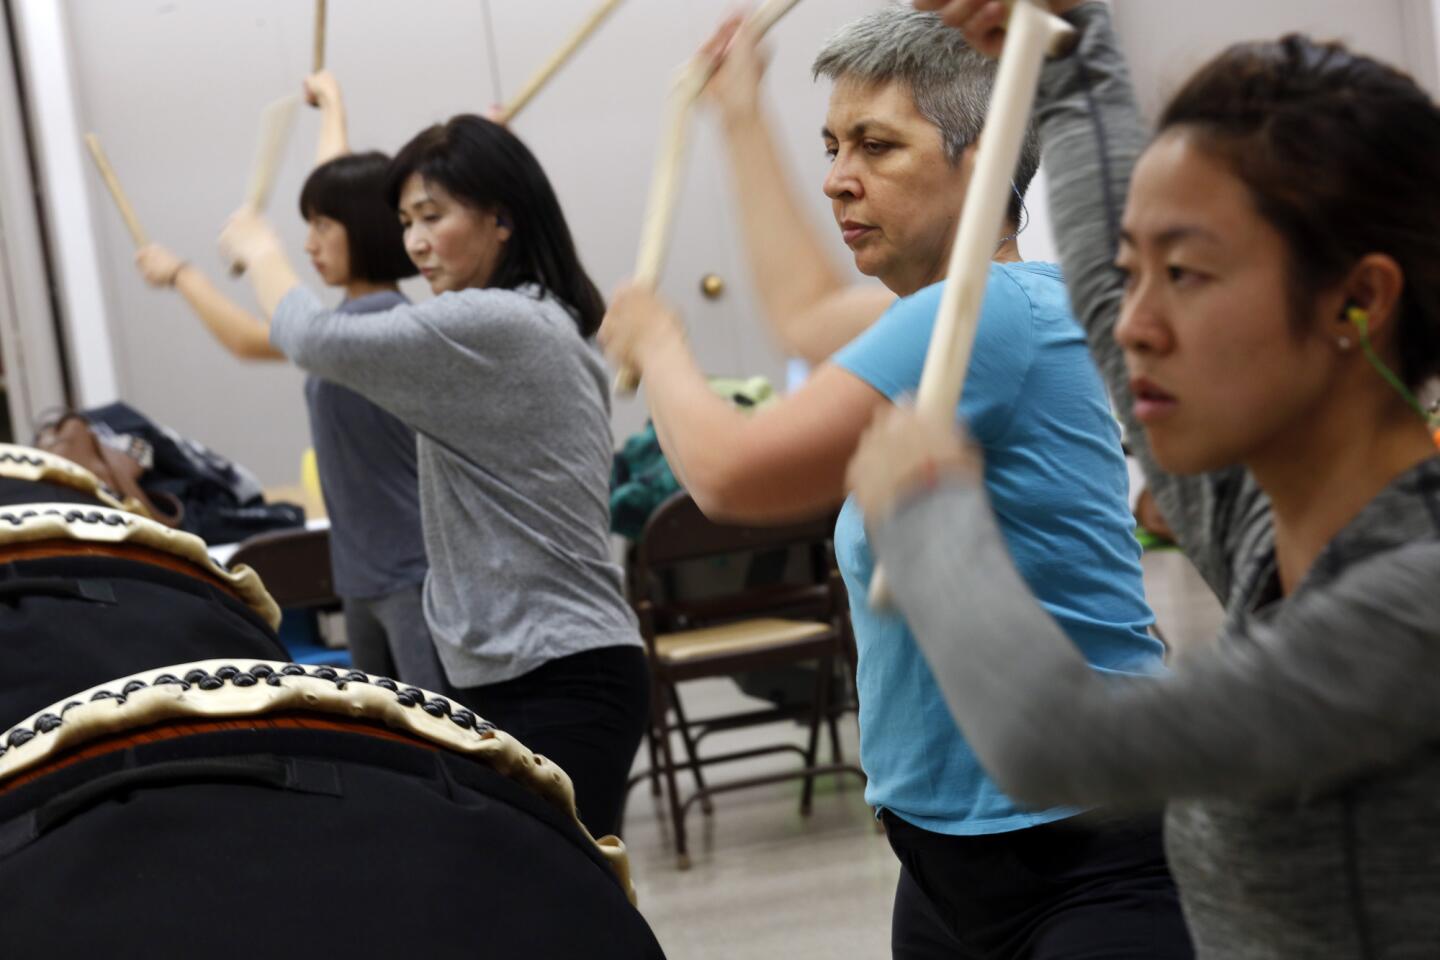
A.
pixel 1361 319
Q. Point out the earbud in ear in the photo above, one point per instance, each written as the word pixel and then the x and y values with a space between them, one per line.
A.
pixel 1360 318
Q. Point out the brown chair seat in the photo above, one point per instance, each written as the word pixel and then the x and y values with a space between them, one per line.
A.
pixel 294 566
pixel 729 639
pixel 753 626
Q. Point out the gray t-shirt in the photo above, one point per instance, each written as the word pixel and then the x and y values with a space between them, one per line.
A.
pixel 512 410
pixel 366 459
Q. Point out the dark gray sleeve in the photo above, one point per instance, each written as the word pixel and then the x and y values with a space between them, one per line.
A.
pixel 1091 134
pixel 1332 688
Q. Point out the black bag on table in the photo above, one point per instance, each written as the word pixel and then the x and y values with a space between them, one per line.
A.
pixel 206 494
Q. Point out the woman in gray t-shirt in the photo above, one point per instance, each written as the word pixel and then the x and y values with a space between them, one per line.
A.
pixel 510 399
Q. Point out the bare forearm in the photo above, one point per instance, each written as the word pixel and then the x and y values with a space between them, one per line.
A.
pixel 793 274
pixel 767 467
pixel 238 330
pixel 693 424
pixel 272 277
pixel 334 141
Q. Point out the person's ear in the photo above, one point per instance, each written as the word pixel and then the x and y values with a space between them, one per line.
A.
pixel 1372 291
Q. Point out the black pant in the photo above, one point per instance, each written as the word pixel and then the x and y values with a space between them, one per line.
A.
pixel 1072 890
pixel 586 712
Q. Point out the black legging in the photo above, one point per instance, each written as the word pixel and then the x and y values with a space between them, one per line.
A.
pixel 1058 891
pixel 587 712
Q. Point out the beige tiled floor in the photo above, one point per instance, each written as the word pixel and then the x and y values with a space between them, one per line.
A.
pixel 765 882
pixel 768 883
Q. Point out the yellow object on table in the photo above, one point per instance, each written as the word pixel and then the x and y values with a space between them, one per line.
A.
pixel 306 493
pixel 310 475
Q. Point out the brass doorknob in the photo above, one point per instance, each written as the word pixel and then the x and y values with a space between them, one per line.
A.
pixel 712 286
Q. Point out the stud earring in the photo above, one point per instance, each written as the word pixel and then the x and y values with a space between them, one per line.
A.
pixel 1343 343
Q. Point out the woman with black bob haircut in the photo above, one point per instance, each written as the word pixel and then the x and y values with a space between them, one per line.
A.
pixel 485 167
pixel 1260 284
pixel 350 190
pixel 498 376
pixel 365 456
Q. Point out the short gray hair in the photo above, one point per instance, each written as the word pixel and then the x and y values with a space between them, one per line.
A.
pixel 949 81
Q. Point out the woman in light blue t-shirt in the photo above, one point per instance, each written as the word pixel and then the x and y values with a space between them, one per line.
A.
pixel 900 131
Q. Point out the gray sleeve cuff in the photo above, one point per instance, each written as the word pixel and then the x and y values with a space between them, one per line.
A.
pixel 1060 76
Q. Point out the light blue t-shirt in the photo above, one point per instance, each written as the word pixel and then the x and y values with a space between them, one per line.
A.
pixel 1056 476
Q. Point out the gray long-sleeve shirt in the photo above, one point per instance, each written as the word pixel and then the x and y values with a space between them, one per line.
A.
pixel 1301 752
pixel 511 408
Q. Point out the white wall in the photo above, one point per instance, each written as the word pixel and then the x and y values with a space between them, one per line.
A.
pixel 174 88
pixel 44 32
pixel 1166 40
pixel 28 345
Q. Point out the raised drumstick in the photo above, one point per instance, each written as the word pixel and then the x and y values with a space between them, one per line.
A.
pixel 557 60
pixel 117 193
pixel 275 123
pixel 765 17
pixel 1031 34
pixel 665 187
pixel 318 62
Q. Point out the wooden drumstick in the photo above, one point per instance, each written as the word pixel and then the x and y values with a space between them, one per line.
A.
pixel 275 123
pixel 660 210
pixel 117 193
pixel 318 62
pixel 665 187
pixel 557 60
pixel 1031 34
pixel 767 15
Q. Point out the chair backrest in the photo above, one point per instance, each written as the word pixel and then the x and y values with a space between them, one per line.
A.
pixel 677 532
pixel 293 564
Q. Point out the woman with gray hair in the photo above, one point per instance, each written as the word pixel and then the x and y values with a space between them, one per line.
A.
pixel 982 875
